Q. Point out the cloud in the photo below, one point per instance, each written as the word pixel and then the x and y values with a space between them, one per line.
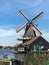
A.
pixel 45 35
pixel 11 32
pixel 9 37
pixel 5 33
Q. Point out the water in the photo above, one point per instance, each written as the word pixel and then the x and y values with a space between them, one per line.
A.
pixel 6 51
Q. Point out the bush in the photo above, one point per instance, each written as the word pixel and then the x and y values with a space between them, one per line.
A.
pixel 4 63
pixel 36 59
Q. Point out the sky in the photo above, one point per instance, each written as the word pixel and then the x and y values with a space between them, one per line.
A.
pixel 11 19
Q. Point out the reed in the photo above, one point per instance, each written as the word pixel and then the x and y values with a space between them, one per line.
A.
pixel 36 59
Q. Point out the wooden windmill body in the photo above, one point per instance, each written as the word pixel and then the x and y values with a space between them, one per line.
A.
pixel 29 32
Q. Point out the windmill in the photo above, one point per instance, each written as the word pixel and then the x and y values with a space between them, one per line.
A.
pixel 30 39
pixel 31 29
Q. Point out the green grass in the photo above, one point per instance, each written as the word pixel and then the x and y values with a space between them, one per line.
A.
pixel 13 51
pixel 36 59
pixel 4 63
pixel 5 59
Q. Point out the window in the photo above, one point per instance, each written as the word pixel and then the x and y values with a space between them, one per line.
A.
pixel 21 49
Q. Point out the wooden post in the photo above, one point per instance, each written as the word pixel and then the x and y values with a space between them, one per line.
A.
pixel 10 62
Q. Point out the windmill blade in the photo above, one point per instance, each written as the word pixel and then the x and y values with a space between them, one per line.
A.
pixel 37 17
pixel 24 15
pixel 20 28
pixel 36 30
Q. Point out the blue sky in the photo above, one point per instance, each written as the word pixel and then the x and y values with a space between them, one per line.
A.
pixel 11 19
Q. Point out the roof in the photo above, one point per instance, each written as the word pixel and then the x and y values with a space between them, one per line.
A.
pixel 30 41
pixel 24 38
pixel 17 45
pixel 20 45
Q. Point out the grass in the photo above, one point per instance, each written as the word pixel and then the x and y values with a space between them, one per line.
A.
pixel 5 59
pixel 30 59
pixel 4 63
pixel 36 59
pixel 13 51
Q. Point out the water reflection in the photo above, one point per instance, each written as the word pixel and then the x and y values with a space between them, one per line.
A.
pixel 6 51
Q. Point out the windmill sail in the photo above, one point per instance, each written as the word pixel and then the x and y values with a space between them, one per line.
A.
pixel 20 27
pixel 30 22
pixel 24 15
pixel 37 17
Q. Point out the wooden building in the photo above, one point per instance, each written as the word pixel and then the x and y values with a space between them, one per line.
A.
pixel 37 44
